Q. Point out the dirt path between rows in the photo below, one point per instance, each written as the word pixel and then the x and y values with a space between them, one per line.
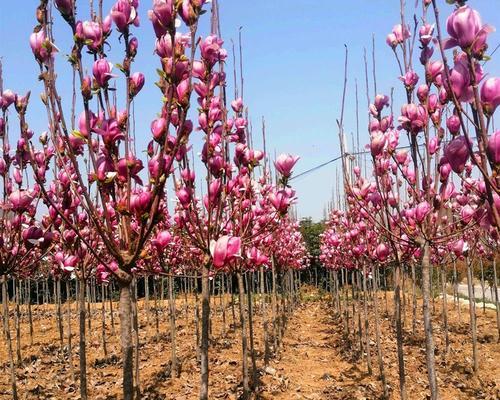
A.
pixel 310 366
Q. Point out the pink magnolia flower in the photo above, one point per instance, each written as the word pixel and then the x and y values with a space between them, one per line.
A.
pixel 434 70
pixel 237 105
pixel 280 201
pixel 20 200
pixel 410 79
pixel 421 211
pixel 425 34
pixel 136 83
pixel 467 213
pixel 433 145
pixel 398 35
pixel 401 156
pixel 377 143
pixel 224 250
pixel 159 128
pixel 33 235
pixel 413 117
pixel 211 50
pixel 459 247
pixel 123 14
pixel 382 252
pixel 460 82
pixel 490 95
pixel 184 196
pixel 453 124
pixel 457 154
pixel 91 33
pixel 8 97
pixel 41 46
pixel 82 123
pixel 110 131
pixel 162 239
pixel 189 10
pixel 140 202
pixel 466 30
pixel 102 72
pixel 183 90
pixel 285 163
pixel 161 16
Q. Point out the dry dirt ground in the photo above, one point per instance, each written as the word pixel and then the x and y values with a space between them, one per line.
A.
pixel 316 360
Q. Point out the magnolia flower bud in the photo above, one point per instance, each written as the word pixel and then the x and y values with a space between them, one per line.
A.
pixel 490 95
pixel 161 16
pixel 102 72
pixel 457 153
pixel 382 252
pixel 41 46
pixel 65 7
pixel 133 45
pixel 136 83
pixel 453 124
pixel 8 97
pixel 120 14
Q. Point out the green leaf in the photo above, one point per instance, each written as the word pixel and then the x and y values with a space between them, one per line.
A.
pixel 78 134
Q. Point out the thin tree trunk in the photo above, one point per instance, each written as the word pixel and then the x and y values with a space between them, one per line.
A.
pixel 497 303
pixel 380 357
pixel 197 320
pixel 30 313
pixel 171 299
pixel 274 306
pixel 472 313
pixel 205 322
pixel 399 331
pixel 222 294
pixel 89 311
pixel 251 333
pixel 135 325
pixel 83 353
pixel 126 341
pixel 367 326
pixel 445 311
pixel 455 290
pixel 414 299
pixel 157 319
pixel 429 340
pixel 241 294
pixel 146 298
pixel 17 289
pixel 59 312
pixel 111 313
pixel 70 339
pixel 6 327
pixel 103 319
pixel 482 285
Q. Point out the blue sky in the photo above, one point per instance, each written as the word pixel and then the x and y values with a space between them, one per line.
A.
pixel 293 70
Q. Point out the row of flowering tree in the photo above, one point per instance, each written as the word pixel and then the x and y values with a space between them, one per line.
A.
pixel 432 194
pixel 79 204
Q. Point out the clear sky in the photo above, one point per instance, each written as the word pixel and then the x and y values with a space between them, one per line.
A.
pixel 293 70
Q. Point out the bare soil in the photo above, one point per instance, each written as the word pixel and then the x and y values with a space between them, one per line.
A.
pixel 317 359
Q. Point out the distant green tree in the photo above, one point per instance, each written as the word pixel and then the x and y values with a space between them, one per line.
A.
pixel 310 231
